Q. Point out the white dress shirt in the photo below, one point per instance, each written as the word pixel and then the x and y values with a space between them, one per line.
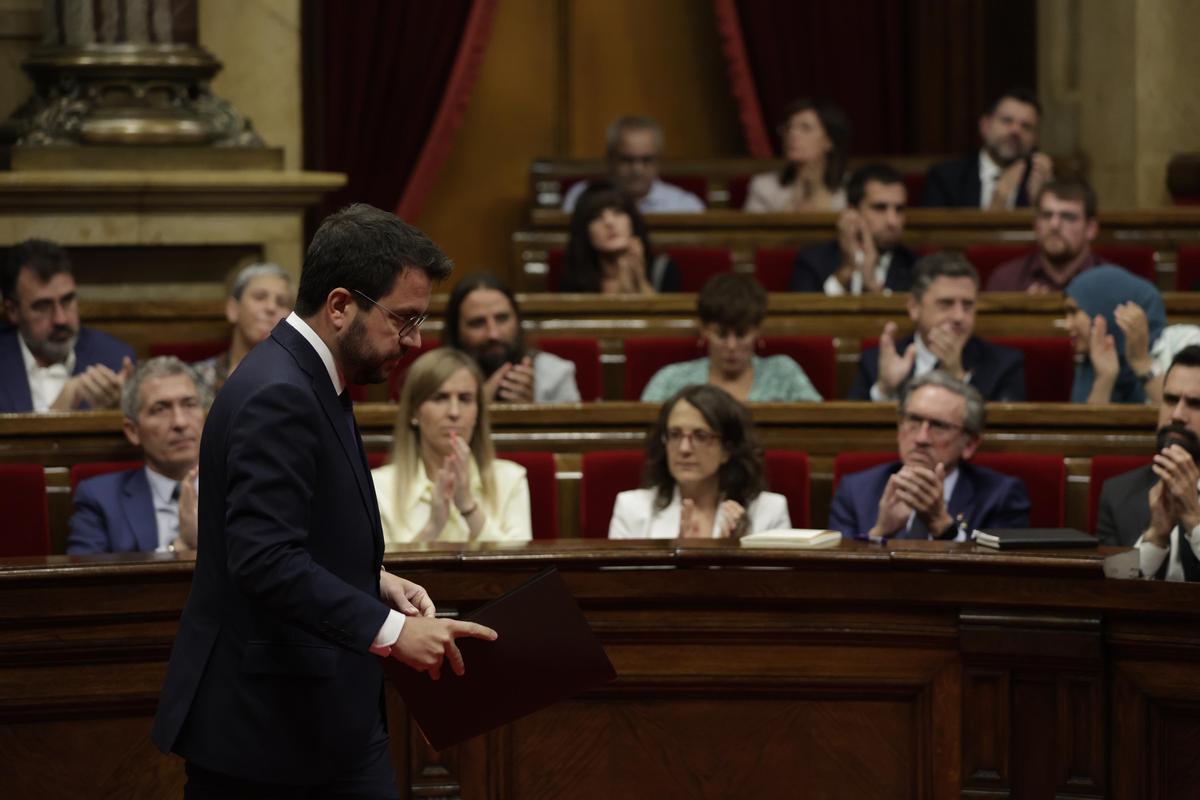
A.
pixel 1152 556
pixel 833 287
pixel 394 623
pixel 45 383
pixel 165 498
pixel 989 173
pixel 634 516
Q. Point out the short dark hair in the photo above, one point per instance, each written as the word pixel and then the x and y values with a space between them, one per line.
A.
pixel 837 128
pixel 733 301
pixel 740 478
pixel 45 258
pixel 856 189
pixel 479 280
pixel 1187 357
pixel 1076 189
pixel 581 264
pixel 1021 94
pixel 942 264
pixel 361 247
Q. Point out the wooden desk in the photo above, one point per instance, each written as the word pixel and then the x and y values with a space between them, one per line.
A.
pixel 821 429
pixel 930 670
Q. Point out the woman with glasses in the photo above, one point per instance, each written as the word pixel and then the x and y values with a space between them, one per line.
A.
pixel 731 309
pixel 444 482
pixel 703 476
pixel 815 139
pixel 609 251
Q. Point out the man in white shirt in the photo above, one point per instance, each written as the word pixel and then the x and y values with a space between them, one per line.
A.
pixel 484 321
pixel 50 362
pixel 634 146
pixel 151 508
pixel 1007 172
pixel 1156 508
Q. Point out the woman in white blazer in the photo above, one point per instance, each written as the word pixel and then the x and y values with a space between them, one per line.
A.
pixel 444 483
pixel 703 476
pixel 815 139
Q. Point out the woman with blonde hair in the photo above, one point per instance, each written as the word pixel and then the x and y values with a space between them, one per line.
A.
pixel 444 482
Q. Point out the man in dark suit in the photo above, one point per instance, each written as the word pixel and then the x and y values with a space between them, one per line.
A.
pixel 942 306
pixel 49 362
pixel 1007 171
pixel 932 492
pixel 151 508
pixel 867 255
pixel 275 684
pixel 1156 508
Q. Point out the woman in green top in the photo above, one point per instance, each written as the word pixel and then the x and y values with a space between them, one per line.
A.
pixel 732 308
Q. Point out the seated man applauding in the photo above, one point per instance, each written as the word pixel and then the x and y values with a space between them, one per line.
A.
pixel 932 492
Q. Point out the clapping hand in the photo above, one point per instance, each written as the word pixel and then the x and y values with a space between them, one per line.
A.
pixel 97 386
pixel 513 382
pixel 1131 319
pixel 893 367
pixel 947 345
pixel 729 517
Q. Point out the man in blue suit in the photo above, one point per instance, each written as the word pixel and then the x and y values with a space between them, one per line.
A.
pixel 275 683
pixel 933 491
pixel 942 308
pixel 140 509
pixel 49 362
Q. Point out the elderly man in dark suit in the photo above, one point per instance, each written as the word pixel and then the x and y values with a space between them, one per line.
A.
pixel 1156 508
pixel 1007 172
pixel 867 257
pixel 50 362
pixel 942 306
pixel 153 507
pixel 933 491
pixel 275 684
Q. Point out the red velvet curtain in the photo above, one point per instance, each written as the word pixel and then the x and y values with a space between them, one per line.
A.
pixel 912 75
pixel 385 86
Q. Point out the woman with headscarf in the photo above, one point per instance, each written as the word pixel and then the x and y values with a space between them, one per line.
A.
pixel 1093 297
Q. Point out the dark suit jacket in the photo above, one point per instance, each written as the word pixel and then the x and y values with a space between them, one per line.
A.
pixel 997 372
pixel 91 347
pixel 815 264
pixel 1124 511
pixel 114 513
pixel 984 497
pixel 955 184
pixel 271 678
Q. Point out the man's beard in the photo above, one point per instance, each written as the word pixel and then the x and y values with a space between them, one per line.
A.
pixel 492 355
pixel 1063 256
pixel 48 351
pixel 1180 434
pixel 361 364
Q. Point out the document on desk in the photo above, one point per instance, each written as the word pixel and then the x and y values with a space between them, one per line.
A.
pixel 546 652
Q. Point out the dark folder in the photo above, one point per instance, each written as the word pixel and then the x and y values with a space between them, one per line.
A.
pixel 1016 538
pixel 546 652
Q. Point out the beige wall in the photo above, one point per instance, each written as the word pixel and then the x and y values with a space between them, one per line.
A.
pixel 258 42
pixel 20 31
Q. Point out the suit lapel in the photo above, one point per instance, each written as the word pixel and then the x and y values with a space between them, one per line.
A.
pixel 138 506
pixel 962 502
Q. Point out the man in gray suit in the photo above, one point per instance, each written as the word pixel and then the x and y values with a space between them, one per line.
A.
pixel 1156 508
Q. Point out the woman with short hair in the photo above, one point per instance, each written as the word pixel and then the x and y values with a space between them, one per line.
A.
pixel 815 141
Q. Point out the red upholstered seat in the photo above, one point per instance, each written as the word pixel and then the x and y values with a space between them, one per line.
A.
pixel 914 183
pixel 1103 468
pixel 26 519
pixel 1187 269
pixel 90 469
pixel 788 474
pixel 1044 477
pixel 773 267
pixel 554 267
pixel 1049 366
pixel 189 352
pixel 606 474
pixel 1137 258
pixel 644 357
pixel 986 257
pixel 585 353
pixel 377 458
pixel 543 491
pixel 698 264
pixel 739 187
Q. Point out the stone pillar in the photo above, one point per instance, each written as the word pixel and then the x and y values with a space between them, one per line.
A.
pixel 1138 106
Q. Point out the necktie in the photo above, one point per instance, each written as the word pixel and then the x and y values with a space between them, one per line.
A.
pixel 348 411
pixel 175 494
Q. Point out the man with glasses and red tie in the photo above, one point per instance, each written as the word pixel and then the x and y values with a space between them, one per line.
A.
pixel 933 491
pixel 275 684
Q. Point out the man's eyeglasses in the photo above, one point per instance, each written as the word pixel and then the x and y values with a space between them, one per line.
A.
pixel 675 436
pixel 405 325
pixel 938 429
